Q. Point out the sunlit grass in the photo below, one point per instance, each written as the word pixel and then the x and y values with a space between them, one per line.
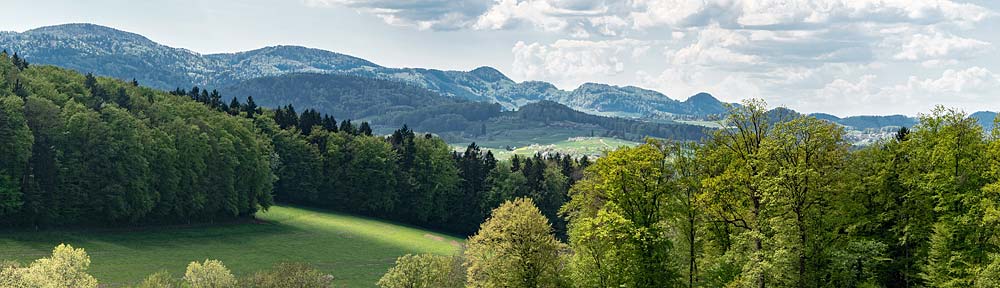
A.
pixel 355 250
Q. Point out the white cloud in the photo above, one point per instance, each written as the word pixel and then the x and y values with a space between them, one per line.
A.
pixel 968 88
pixel 570 62
pixel 424 15
pixel 939 45
pixel 968 83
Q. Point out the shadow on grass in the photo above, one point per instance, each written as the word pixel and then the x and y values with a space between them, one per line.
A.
pixel 355 249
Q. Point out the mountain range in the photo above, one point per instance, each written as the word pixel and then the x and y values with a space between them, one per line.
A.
pixel 115 53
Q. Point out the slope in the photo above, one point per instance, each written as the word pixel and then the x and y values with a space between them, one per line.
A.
pixel 356 251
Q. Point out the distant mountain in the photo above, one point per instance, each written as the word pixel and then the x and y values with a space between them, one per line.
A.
pixel 384 102
pixel 869 122
pixel 985 119
pixel 389 104
pixel 110 52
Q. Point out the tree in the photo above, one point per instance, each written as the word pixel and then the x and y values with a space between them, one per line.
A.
pixel 287 275
pixel 435 181
pixel 234 107
pixel 347 127
pixel 629 189
pixel 514 248
pixel 425 271
pixel 365 129
pixel 299 172
pixel 948 146
pixel 16 141
pixel 209 274
pixel 371 170
pixel 808 156
pixel 67 267
pixel 161 279
pixel 251 107
pixel 736 187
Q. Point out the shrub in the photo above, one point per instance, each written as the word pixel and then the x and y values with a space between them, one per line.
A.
pixel 425 271
pixel 161 279
pixel 210 274
pixel 66 268
pixel 287 275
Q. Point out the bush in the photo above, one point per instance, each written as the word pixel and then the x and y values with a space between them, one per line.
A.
pixel 66 268
pixel 210 274
pixel 287 275
pixel 161 279
pixel 425 271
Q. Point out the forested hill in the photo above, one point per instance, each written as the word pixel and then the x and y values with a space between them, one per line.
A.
pixel 384 102
pixel 390 103
pixel 84 150
pixel 110 52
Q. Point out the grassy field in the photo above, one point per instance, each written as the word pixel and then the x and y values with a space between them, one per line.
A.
pixel 355 250
pixel 576 146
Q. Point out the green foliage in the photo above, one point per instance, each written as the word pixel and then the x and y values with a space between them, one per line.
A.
pixel 209 274
pixel 425 271
pixel 97 151
pixel 67 267
pixel 618 217
pixel 287 275
pixel 514 248
pixel 161 279
pixel 15 143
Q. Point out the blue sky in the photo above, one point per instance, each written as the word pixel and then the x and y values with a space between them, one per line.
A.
pixel 845 57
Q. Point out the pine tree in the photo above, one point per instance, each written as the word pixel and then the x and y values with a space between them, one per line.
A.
pixel 329 123
pixel 365 129
pixel 234 107
pixel 215 100
pixel 347 127
pixel 194 93
pixel 251 107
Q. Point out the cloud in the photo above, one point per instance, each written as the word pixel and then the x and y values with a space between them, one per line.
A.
pixel 969 88
pixel 570 62
pixel 939 45
pixel 424 15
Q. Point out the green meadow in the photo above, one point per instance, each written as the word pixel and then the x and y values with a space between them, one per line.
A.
pixel 356 251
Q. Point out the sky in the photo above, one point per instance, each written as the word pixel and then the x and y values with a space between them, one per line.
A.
pixel 844 57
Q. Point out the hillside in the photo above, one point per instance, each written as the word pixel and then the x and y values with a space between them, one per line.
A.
pixel 389 104
pixel 110 52
pixel 356 251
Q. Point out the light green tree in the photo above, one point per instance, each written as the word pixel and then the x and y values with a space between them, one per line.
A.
pixel 514 248
pixel 425 271
pixel 628 191
pixel 209 274
pixel 67 267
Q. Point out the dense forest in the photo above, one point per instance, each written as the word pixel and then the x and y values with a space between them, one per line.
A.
pixel 83 150
pixel 778 200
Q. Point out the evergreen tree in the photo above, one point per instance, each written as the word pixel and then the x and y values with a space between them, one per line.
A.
pixel 215 100
pixel 347 127
pixel 365 129
pixel 329 123
pixel 234 107
pixel 251 107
